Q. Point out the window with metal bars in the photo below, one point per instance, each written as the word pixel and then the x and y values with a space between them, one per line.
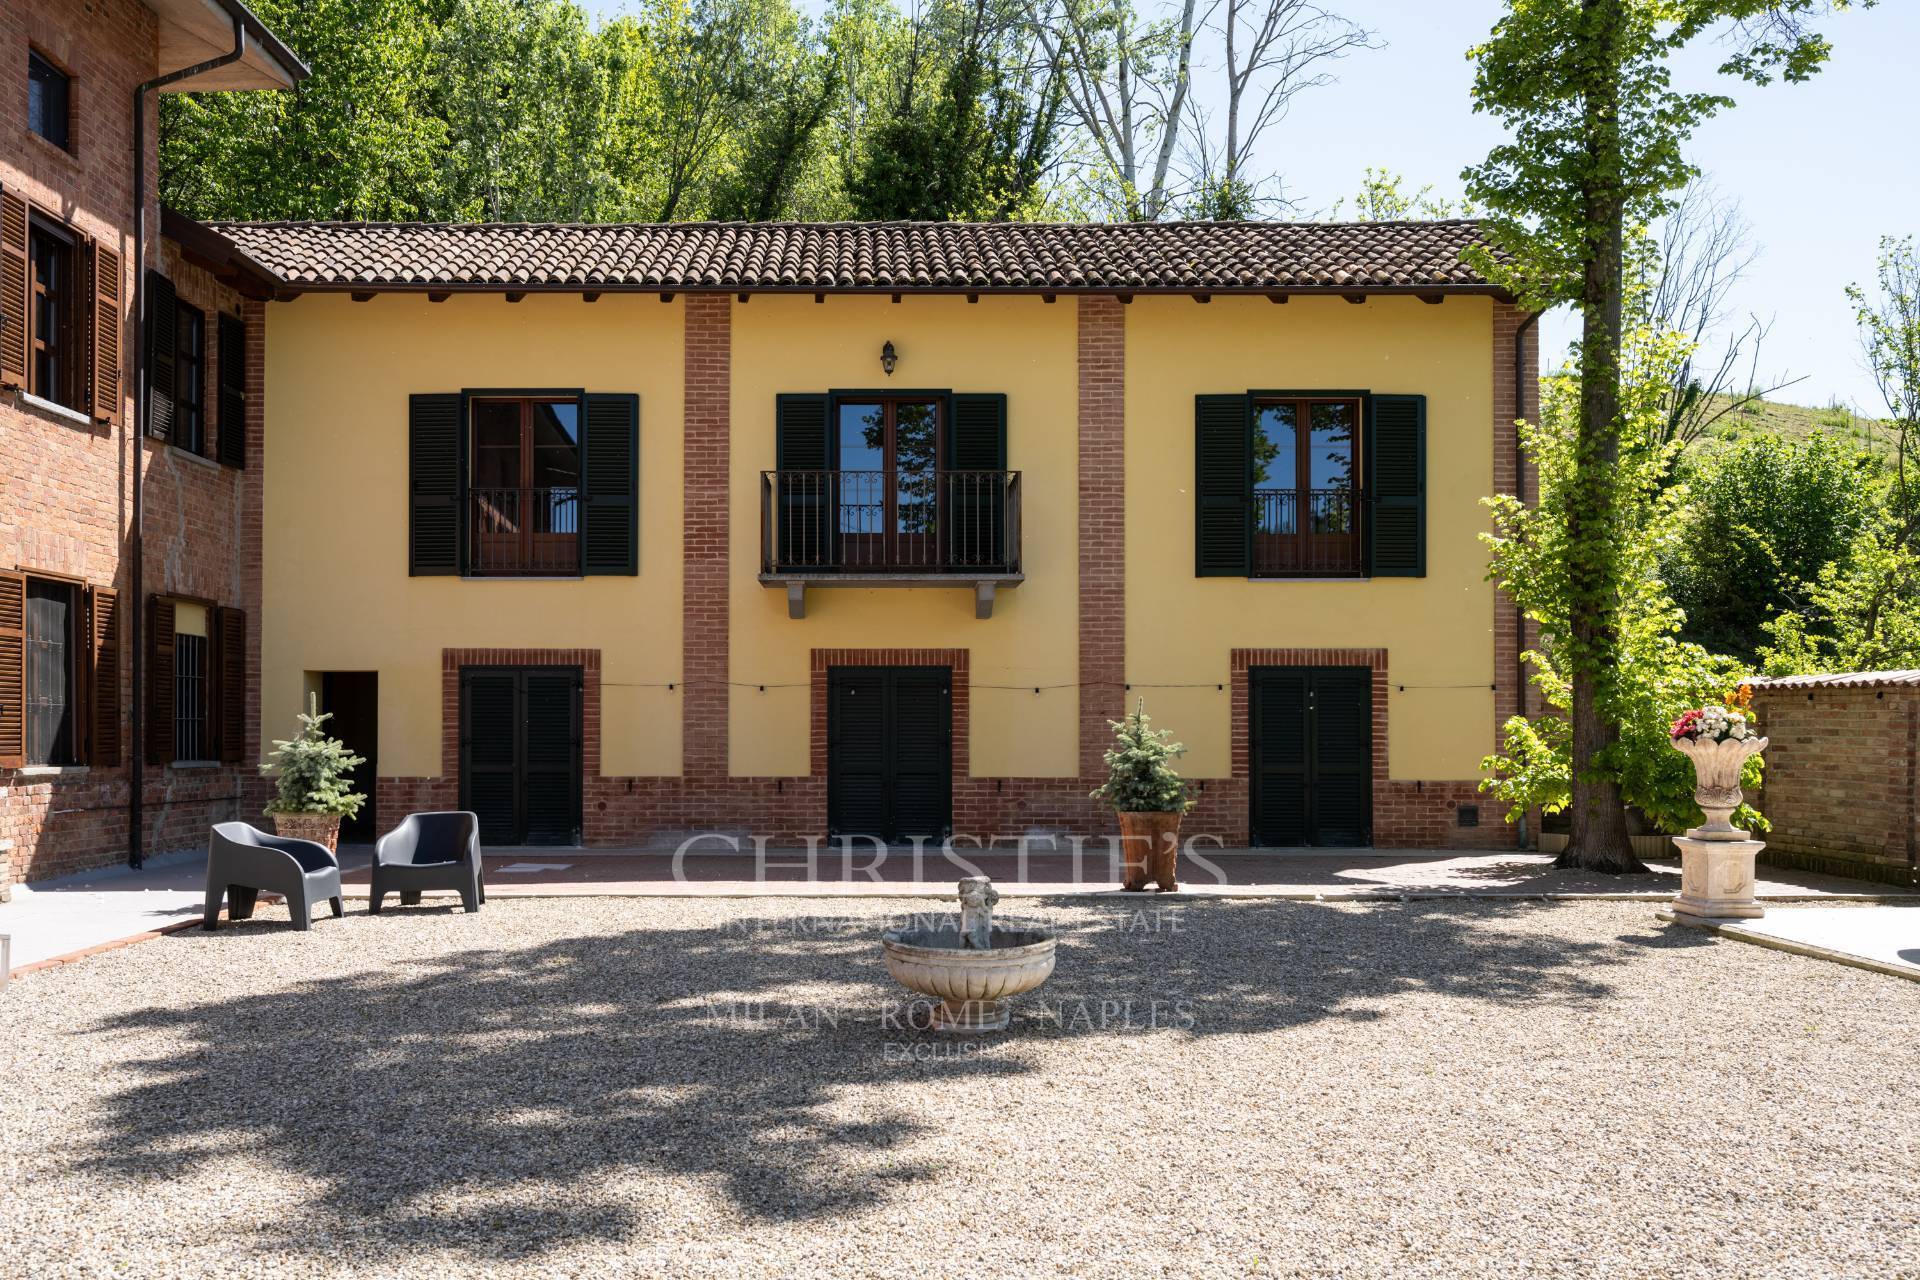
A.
pixel 190 741
pixel 52 686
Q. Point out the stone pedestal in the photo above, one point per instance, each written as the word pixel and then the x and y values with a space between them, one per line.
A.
pixel 1716 877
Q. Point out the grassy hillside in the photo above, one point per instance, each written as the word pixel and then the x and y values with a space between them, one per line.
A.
pixel 1797 422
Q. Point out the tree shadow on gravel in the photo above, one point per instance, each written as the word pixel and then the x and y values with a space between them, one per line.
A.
pixel 761 1059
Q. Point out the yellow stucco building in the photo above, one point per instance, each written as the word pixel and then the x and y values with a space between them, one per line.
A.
pixel 618 534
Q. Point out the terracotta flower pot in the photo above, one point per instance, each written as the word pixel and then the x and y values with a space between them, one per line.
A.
pixel 1150 848
pixel 321 828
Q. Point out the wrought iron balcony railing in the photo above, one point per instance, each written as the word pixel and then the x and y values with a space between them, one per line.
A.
pixel 890 522
pixel 523 532
pixel 1327 539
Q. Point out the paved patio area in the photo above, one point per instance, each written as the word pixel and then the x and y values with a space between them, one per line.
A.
pixel 78 914
pixel 682 1087
pixel 1885 938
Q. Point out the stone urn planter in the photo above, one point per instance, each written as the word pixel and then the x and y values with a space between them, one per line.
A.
pixel 1716 858
pixel 321 828
pixel 974 971
pixel 1150 850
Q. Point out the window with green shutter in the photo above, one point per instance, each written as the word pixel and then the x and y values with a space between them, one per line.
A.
pixel 1294 484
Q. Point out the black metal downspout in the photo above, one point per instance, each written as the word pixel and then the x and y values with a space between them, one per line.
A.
pixel 1520 491
pixel 136 606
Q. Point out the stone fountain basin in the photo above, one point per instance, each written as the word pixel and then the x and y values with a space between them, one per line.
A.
pixel 972 986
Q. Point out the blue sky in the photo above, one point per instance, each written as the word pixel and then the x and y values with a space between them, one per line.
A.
pixel 1820 170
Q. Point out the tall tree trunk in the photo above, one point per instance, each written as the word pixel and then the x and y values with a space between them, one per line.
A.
pixel 1599 827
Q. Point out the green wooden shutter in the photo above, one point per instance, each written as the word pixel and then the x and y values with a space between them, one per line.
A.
pixel 435 504
pixel 803 455
pixel 1397 487
pixel 975 502
pixel 163 315
pixel 232 440
pixel 1223 487
pixel 610 514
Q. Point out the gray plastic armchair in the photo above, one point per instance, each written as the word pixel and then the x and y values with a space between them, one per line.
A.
pixel 430 851
pixel 241 861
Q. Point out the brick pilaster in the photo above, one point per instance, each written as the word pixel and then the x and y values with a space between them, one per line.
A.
pixel 1507 319
pixel 704 610
pixel 1103 539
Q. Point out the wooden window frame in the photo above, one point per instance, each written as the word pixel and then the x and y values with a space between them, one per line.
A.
pixel 891 541
pixel 68 341
pixel 53 64
pixel 525 561
pixel 189 380
pixel 79 651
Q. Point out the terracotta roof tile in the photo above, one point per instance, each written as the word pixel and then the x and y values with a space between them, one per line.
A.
pixel 1842 680
pixel 881 256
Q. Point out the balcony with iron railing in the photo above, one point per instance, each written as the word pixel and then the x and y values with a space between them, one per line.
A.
pixel 1326 540
pixel 523 533
pixel 890 529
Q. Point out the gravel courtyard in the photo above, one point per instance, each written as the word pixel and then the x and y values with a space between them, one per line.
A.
pixel 662 1087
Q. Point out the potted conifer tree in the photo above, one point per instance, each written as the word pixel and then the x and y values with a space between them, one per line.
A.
pixel 1149 798
pixel 313 780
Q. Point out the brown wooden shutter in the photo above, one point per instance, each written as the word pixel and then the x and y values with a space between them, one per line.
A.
pixel 230 626
pixel 163 317
pixel 13 670
pixel 103 621
pixel 159 680
pixel 106 334
pixel 13 290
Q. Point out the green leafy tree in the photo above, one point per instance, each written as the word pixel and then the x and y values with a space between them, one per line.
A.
pixel 1762 517
pixel 1862 612
pixel 312 772
pixel 360 139
pixel 1140 773
pixel 967 138
pixel 1596 135
pixel 525 96
pixel 1660 674
pixel 1381 199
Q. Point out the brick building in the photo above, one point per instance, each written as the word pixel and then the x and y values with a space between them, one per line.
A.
pixel 73 184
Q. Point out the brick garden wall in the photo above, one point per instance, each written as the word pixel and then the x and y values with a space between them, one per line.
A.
pixel 1842 784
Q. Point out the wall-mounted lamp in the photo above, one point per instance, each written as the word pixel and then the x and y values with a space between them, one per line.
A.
pixel 888 358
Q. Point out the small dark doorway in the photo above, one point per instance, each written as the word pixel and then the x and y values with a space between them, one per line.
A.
pixel 520 753
pixel 352 698
pixel 1311 755
pixel 890 752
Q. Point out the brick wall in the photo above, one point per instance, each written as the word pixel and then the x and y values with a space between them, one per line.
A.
pixel 1842 779
pixel 65 509
pixel 1103 527
pixel 704 610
